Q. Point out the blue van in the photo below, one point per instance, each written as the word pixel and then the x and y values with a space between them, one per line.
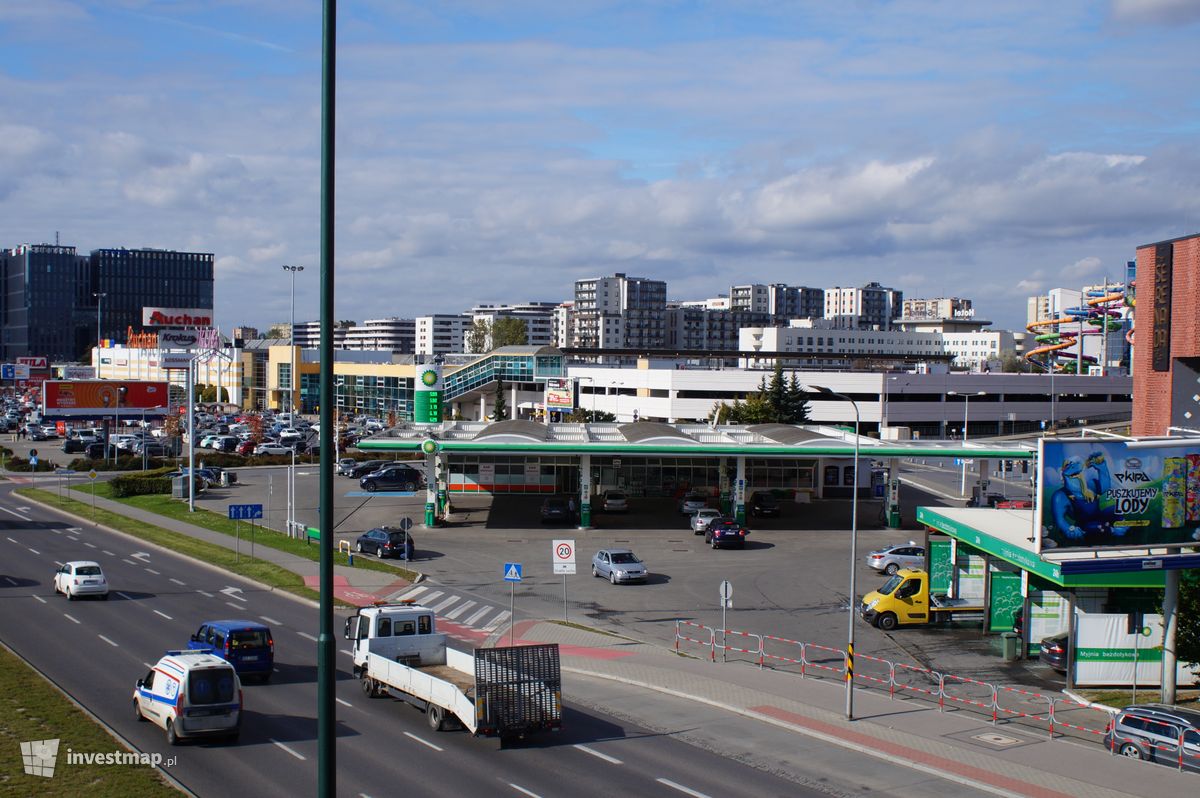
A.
pixel 246 645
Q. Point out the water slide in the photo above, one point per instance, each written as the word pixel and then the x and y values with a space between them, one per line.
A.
pixel 1053 342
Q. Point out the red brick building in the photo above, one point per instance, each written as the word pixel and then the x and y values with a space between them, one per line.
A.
pixel 1166 352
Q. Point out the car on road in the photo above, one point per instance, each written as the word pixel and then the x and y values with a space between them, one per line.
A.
pixel 692 502
pixel 555 508
pixel 272 448
pixel 365 467
pixel 618 566
pixel 392 477
pixel 1154 732
pixel 726 533
pixel 615 501
pixel 891 558
pixel 702 518
pixel 246 645
pixel 190 694
pixel 35 432
pixel 72 446
pixel 1052 651
pixel 81 578
pixel 346 465
pixel 763 504
pixel 386 541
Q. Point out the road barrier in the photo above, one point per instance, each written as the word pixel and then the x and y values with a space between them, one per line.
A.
pixel 710 643
pixel 756 652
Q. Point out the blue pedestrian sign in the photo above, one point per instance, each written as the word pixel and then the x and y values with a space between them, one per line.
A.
pixel 8 371
pixel 245 512
pixel 512 572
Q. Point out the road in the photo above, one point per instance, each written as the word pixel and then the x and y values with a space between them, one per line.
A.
pixel 95 650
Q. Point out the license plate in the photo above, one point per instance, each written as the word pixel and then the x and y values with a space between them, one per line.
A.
pixel 251 658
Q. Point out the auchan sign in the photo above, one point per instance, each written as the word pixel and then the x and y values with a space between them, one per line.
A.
pixel 177 317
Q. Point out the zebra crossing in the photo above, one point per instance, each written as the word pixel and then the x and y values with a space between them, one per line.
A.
pixel 455 609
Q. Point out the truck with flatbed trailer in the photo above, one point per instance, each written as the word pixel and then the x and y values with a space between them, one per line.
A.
pixel 506 692
pixel 905 600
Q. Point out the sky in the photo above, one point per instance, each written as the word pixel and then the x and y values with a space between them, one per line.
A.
pixel 491 152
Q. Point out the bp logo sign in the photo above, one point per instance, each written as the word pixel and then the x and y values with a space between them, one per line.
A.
pixel 429 377
pixel 430 447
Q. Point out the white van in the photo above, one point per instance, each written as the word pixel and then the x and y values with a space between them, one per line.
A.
pixel 191 694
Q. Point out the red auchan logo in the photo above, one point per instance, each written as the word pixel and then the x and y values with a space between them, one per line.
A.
pixel 176 317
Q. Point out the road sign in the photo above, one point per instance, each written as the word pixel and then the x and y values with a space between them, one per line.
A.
pixel 405 523
pixel 563 556
pixel 92 474
pixel 244 512
pixel 64 471
pixel 33 460
pixel 726 590
pixel 512 572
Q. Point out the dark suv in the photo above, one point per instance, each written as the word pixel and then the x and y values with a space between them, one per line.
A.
pixel 1154 731
pixel 393 477
pixel 764 504
pixel 386 541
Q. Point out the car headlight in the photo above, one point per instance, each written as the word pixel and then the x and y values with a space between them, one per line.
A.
pixel 870 605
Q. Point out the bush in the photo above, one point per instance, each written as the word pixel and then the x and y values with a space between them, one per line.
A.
pixel 140 484
pixel 125 462
pixel 21 464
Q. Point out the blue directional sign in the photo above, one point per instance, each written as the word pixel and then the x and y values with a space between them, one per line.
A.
pixel 512 572
pixel 245 512
pixel 8 371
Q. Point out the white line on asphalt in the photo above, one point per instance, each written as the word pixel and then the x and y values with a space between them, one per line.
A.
pixel 106 551
pixel 59 563
pixel 444 604
pixel 123 595
pixel 431 597
pixel 152 571
pixel 89 545
pixel 409 594
pixel 11 540
pixel 58 531
pixel 307 636
pixel 35 551
pixel 474 618
pixel 69 618
pixel 106 640
pixel 291 751
pixel 203 593
pixel 231 604
pixel 681 788
pixel 39 598
pixel 14 512
pixel 177 581
pixel 599 755
pixel 271 620
pixel 163 614
pixel 131 562
pixel 499 619
pixel 459 610
pixel 347 652
pixel 73 537
pixel 523 791
pixel 343 703
pixel 10 580
pixel 422 742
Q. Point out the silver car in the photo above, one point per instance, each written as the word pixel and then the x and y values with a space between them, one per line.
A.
pixel 618 565
pixel 892 558
pixel 615 502
pixel 692 502
pixel 702 518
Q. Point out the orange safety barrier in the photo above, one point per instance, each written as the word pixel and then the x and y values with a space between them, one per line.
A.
pixel 710 643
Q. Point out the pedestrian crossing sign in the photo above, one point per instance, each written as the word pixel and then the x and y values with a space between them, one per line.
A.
pixel 512 572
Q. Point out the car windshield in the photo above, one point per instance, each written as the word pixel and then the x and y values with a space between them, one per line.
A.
pixel 890 585
pixel 624 557
pixel 88 570
pixel 615 495
pixel 211 686
pixel 248 638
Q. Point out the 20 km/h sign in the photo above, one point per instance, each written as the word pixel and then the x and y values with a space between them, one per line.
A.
pixel 564 556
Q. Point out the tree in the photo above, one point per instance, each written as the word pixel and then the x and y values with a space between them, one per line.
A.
pixel 1187 636
pixel 478 335
pixel 278 331
pixel 510 332
pixel 583 416
pixel 795 403
pixel 499 407
pixel 1011 363
pixel 778 402
pixel 776 392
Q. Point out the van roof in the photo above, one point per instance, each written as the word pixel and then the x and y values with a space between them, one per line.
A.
pixel 183 661
pixel 237 624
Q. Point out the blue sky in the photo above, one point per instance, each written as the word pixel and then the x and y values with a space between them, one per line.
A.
pixel 496 152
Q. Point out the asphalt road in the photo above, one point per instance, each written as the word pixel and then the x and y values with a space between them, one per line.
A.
pixel 95 650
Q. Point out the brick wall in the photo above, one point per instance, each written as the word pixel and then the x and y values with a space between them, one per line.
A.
pixel 1152 389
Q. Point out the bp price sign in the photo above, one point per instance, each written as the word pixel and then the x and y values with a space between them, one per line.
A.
pixel 564 556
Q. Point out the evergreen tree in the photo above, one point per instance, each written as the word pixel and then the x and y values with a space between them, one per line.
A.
pixel 776 394
pixel 795 403
pixel 499 407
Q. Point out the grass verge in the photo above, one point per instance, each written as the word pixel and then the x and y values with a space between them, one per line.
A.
pixel 32 709
pixel 1122 698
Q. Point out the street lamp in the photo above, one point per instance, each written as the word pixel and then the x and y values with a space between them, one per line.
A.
pixel 99 304
pixel 292 338
pixel 966 409
pixel 853 551
pixel 592 380
pixel 144 441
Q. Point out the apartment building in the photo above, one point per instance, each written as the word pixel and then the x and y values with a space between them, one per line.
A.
pixel 871 307
pixel 441 333
pixel 620 312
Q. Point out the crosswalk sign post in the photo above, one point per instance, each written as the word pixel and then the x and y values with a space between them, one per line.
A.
pixel 512 575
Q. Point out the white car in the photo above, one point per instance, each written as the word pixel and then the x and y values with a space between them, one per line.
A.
pixel 209 441
pixel 702 518
pixel 290 434
pixel 273 448
pixel 80 578
pixel 191 694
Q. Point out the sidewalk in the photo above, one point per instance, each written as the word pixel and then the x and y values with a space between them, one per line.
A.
pixel 1009 758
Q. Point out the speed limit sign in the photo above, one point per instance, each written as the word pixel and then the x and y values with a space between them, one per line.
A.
pixel 564 556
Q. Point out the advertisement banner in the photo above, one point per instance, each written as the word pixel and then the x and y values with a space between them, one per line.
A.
pixel 102 397
pixel 938 561
pixel 560 395
pixel 1006 598
pixel 79 372
pixel 427 394
pixel 171 360
pixel 1105 493
pixel 1106 651
pixel 35 362
pixel 177 317
pixel 178 338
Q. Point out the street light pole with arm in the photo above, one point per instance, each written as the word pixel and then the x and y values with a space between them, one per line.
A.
pixel 292 338
pixel 962 489
pixel 99 304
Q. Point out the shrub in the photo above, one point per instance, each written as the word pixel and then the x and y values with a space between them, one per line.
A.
pixel 140 484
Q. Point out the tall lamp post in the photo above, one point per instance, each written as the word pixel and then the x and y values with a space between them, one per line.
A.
pixel 853 551
pixel 292 338
pixel 144 441
pixel 99 305
pixel 966 409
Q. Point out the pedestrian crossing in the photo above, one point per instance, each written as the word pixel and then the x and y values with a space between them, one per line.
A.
pixel 468 613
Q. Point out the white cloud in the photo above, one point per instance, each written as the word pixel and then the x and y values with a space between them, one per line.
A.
pixel 1165 12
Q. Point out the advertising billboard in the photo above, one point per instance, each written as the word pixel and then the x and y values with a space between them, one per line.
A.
pixel 177 317
pixel 178 338
pixel 1111 494
pixel 559 395
pixel 102 397
pixel 427 394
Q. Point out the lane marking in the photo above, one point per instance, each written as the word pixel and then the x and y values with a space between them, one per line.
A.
pixel 682 789
pixel 523 791
pixel 69 618
pixel 177 581
pixel 89 545
pixel 131 562
pixel 343 703
pixel 598 755
pixel 106 640
pixel 271 620
pixel 152 571
pixel 58 531
pixel 14 512
pixel 232 592
pixel 499 619
pixel 474 618
pixel 35 551
pixel 106 551
pixel 205 593
pixel 307 636
pixel 11 540
pixel 459 610
pixel 148 665
pixel 73 537
pixel 411 593
pixel 235 606
pixel 431 597
pixel 163 614
pixel 291 751
pixel 412 736
pixel 125 596
pixel 39 598
pixel 444 604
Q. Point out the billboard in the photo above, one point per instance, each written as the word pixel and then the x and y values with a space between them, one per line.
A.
pixel 178 338
pixel 177 317
pixel 102 397
pixel 559 395
pixel 427 394
pixel 1111 494
pixel 79 372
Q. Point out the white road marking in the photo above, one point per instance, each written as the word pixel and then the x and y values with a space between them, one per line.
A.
pixel 163 614
pixel 123 595
pixel 343 703
pixel 204 593
pixel 443 605
pixel 73 537
pixel 58 531
pixel 459 610
pixel 10 540
pixel 412 736
pixel 106 551
pixel 14 512
pixel 410 594
pixel 232 593
pixel 235 606
pixel 598 755
pixel 69 618
pixel 131 562
pixel 152 571
pixel 475 618
pixel 106 640
pixel 307 636
pixel 271 620
pixel 89 545
pixel 147 664
pixel 177 581
pixel 39 598
pixel 523 791
pixel 499 619
pixel 347 652
pixel 291 751
pixel 681 788
pixel 431 597
pixel 35 551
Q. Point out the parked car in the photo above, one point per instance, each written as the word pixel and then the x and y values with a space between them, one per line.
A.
pixel 1153 732
pixel 346 465
pixel 555 508
pixel 392 477
pixel 1053 651
pixel 764 504
pixel 245 448
pixel 208 441
pixel 246 645
pixel 366 467
pixel 35 432
pixel 692 502
pixel 272 448
pixel 386 541
pixel 190 693
pixel 290 434
pixel 72 446
pixel 152 449
pixel 702 518
pixel 615 501
pixel 891 558
pixel 986 500
pixel 618 566
pixel 81 578
pixel 725 533
pixel 50 431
